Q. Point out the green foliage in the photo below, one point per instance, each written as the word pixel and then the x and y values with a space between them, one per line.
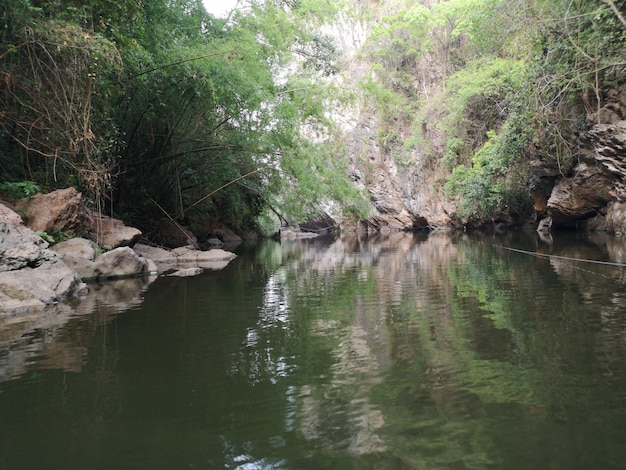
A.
pixel 484 92
pixel 453 148
pixel 56 121
pixel 495 184
pixel 160 108
pixel 20 189
pixel 57 236
pixel 491 81
pixel 165 110
pixel 49 238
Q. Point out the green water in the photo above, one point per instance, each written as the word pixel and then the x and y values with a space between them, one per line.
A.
pixel 401 351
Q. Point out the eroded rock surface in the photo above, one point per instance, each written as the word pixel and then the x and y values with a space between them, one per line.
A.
pixel 31 275
pixel 594 192
pixel 580 197
pixel 61 210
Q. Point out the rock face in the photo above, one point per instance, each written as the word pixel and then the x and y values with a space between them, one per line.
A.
pixel 400 192
pixel 593 195
pixel 31 276
pixel 403 169
pixel 580 197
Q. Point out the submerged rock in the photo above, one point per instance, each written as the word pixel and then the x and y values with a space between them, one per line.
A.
pixel 187 272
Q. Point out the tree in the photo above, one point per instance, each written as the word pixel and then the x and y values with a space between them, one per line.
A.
pixel 168 111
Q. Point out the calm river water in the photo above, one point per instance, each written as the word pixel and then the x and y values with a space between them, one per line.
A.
pixel 408 351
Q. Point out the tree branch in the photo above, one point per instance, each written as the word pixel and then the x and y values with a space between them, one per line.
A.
pixel 618 13
pixel 184 61
pixel 204 198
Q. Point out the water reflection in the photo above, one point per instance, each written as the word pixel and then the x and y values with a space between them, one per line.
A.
pixel 389 351
pixel 24 338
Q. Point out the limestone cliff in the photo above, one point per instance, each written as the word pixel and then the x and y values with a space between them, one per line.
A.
pixel 404 191
pixel 400 160
pixel 591 194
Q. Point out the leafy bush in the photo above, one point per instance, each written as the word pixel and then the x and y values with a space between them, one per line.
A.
pixel 495 182
pixel 19 189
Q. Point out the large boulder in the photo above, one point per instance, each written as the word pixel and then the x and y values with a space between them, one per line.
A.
pixel 111 233
pixel 64 210
pixel 119 263
pixel 61 210
pixel 580 197
pixel 31 276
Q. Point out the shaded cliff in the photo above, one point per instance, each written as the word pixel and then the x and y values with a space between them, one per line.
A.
pixel 590 192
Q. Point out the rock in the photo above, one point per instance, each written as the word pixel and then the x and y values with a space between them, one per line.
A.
pixel 291 235
pixel 118 263
pixel 154 253
pixel 79 254
pixel 84 268
pixel 225 234
pixel 214 242
pixel 61 210
pixel 545 225
pixel 8 215
pixel 212 259
pixel 153 269
pixel 31 275
pixel 539 191
pixel 609 144
pixel 111 233
pixel 64 210
pixel 76 247
pixel 616 218
pixel 173 235
pixel 19 246
pixel 35 288
pixel 580 197
pixel 184 257
pixel 187 272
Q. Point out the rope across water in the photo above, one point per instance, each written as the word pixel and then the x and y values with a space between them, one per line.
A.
pixel 543 255
pixel 567 258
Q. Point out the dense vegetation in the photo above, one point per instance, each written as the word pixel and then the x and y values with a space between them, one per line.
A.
pixel 495 84
pixel 159 110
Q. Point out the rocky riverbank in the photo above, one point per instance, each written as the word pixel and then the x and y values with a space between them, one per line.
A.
pixel 34 276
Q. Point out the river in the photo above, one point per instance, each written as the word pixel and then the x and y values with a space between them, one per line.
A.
pixel 417 351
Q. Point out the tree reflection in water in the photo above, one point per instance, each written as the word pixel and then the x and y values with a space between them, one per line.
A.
pixel 389 351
